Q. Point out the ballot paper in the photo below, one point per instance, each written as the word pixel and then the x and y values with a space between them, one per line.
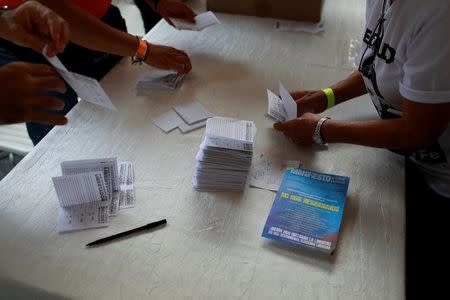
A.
pixel 297 26
pixel 168 121
pixel 187 117
pixel 156 79
pixel 283 108
pixel 87 88
pixel 267 173
pixel 126 178
pixel 83 201
pixel 89 191
pixel 225 155
pixel 202 21
pixel 108 166
pixel 192 112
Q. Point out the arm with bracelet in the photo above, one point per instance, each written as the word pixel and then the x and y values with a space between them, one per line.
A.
pixel 91 33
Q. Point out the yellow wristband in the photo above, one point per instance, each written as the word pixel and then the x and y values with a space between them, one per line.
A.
pixel 330 97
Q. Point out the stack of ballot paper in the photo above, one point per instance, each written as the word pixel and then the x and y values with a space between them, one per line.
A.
pixel 90 191
pixel 159 80
pixel 281 109
pixel 202 21
pixel 187 117
pixel 225 155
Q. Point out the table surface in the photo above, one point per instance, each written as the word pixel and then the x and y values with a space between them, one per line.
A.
pixel 212 247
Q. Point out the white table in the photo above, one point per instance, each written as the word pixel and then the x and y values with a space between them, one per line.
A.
pixel 212 247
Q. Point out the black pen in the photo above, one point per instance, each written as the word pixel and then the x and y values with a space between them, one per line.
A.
pixel 125 233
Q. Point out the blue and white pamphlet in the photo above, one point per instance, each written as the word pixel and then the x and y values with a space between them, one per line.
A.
pixel 308 210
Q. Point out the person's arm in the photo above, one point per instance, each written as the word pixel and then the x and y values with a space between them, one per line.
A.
pixel 33 25
pixel 316 101
pixel 92 33
pixel 420 126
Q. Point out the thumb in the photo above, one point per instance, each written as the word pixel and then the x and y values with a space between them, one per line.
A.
pixel 279 126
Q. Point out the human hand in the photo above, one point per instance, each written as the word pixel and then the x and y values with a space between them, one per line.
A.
pixel 310 101
pixel 300 130
pixel 33 25
pixel 174 9
pixel 23 99
pixel 168 58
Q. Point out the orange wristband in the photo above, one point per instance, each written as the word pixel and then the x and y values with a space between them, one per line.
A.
pixel 142 49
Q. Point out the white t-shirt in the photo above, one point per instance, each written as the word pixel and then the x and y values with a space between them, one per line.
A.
pixel 413 62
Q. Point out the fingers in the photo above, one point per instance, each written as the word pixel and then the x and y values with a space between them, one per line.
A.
pixel 46 118
pixel 300 94
pixel 183 63
pixel 49 83
pixel 59 34
pixel 187 14
pixel 34 42
pixel 47 103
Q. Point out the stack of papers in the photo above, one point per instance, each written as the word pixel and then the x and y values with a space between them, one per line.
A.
pixel 86 88
pixel 281 109
pixel 159 80
pixel 187 117
pixel 90 191
pixel 225 155
pixel 202 21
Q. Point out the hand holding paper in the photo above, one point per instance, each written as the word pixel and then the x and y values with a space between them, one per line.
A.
pixel 281 109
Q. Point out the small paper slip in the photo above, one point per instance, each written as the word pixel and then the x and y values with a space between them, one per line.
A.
pixel 281 109
pixel 295 26
pixel 187 117
pixel 156 79
pixel 126 178
pixel 78 217
pixel 185 128
pixel 202 21
pixel 83 200
pixel 87 88
pixel 230 133
pixel 193 112
pixel 168 121
pixel 267 173
pixel 108 166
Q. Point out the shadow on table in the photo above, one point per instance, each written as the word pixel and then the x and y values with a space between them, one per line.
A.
pixel 314 257
pixel 11 289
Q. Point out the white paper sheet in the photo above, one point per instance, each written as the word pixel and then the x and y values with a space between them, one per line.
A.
pixel 289 103
pixel 267 173
pixel 80 188
pixel 87 88
pixel 156 79
pixel 202 21
pixel 295 26
pixel 185 128
pixel 78 217
pixel 230 133
pixel 275 107
pixel 126 194
pixel 108 166
pixel 193 112
pixel 168 121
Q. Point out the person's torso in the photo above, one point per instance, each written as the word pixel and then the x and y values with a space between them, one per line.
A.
pixel 382 67
pixel 97 8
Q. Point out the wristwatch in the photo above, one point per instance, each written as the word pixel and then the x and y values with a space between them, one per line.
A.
pixel 317 137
